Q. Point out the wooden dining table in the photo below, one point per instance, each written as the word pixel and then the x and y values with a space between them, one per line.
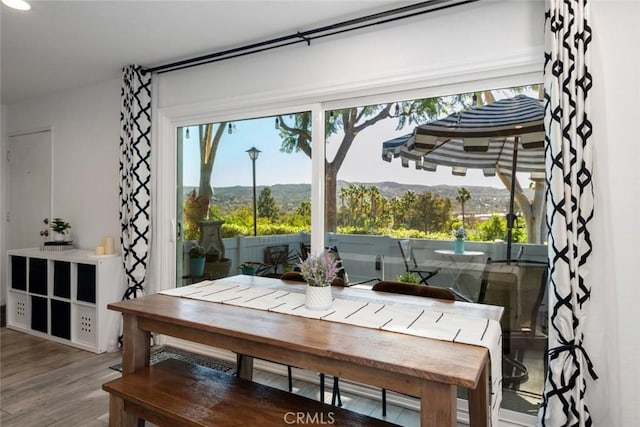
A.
pixel 429 369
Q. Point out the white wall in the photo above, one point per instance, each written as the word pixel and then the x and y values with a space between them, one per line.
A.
pixel 85 127
pixel 612 324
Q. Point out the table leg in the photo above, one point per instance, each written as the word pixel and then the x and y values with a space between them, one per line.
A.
pixel 117 416
pixel 479 401
pixel 135 356
pixel 438 405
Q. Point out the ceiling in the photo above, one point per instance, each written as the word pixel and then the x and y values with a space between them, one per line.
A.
pixel 60 45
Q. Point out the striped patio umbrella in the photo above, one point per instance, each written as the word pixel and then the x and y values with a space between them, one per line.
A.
pixel 507 135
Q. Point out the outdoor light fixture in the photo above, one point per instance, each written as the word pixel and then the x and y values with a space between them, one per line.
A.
pixel 253 155
pixel 397 111
pixel 17 4
pixel 186 135
pixel 331 118
pixel 277 123
pixel 230 131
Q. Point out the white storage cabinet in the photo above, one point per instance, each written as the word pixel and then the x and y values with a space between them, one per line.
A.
pixel 63 296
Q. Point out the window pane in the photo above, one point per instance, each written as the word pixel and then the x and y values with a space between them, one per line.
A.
pixel 241 178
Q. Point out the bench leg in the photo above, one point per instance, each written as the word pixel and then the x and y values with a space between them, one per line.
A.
pixel 244 366
pixel 117 415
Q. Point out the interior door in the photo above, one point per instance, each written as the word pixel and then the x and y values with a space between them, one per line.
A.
pixel 29 189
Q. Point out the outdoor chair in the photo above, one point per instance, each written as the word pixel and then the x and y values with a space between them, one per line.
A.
pixel 410 289
pixel 521 295
pixel 410 263
pixel 416 290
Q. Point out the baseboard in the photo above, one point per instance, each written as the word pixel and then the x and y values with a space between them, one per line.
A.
pixel 3 316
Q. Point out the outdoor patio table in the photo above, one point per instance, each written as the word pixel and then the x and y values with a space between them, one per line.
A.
pixel 472 262
pixel 430 369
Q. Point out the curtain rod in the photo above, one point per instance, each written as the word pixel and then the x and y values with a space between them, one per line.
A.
pixel 316 33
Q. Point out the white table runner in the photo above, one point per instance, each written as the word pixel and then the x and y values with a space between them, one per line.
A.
pixel 395 317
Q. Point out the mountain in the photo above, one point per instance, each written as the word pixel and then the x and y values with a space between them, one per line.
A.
pixel 289 196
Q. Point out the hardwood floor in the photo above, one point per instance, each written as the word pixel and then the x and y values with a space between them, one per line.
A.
pixel 49 384
pixel 43 383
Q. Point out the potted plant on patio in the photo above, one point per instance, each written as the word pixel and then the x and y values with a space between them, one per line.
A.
pixel 458 245
pixel 408 277
pixel 248 269
pixel 196 260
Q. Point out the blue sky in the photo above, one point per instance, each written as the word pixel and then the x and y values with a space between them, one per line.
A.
pixel 363 162
pixel 233 165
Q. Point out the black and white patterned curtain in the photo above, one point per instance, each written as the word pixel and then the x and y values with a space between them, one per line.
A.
pixel 135 176
pixel 567 82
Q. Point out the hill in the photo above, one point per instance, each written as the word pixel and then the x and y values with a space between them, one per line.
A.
pixel 289 196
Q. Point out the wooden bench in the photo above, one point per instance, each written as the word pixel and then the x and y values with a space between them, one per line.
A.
pixel 177 393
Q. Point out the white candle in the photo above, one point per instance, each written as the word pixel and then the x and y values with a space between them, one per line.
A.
pixel 99 250
pixel 108 245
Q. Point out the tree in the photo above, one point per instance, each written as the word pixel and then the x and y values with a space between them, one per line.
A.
pixel 463 196
pixel 430 213
pixel 208 144
pixel 296 136
pixel 496 228
pixel 267 207
pixel 363 207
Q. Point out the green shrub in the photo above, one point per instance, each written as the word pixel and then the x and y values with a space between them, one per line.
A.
pixel 408 277
pixel 232 230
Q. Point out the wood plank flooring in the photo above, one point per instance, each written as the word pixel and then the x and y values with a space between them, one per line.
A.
pixel 49 384
pixel 43 383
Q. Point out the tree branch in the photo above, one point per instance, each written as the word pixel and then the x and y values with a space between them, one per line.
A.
pixel 383 114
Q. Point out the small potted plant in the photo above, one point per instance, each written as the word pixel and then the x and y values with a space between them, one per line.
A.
pixel 248 269
pixel 408 277
pixel 319 272
pixel 196 260
pixel 60 229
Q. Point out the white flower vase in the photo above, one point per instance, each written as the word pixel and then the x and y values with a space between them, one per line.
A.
pixel 59 237
pixel 318 297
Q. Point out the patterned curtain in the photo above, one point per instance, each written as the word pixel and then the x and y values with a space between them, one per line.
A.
pixel 567 82
pixel 135 176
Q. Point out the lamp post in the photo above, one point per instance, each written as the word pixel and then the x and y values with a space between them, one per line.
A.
pixel 253 155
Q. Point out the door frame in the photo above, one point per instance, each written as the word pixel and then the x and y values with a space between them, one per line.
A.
pixel 4 191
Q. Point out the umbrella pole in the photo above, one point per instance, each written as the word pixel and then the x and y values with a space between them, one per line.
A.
pixel 511 217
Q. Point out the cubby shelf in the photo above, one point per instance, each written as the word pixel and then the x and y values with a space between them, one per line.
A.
pixel 63 296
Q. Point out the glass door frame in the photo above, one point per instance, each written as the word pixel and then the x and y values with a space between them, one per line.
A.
pixel 165 234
